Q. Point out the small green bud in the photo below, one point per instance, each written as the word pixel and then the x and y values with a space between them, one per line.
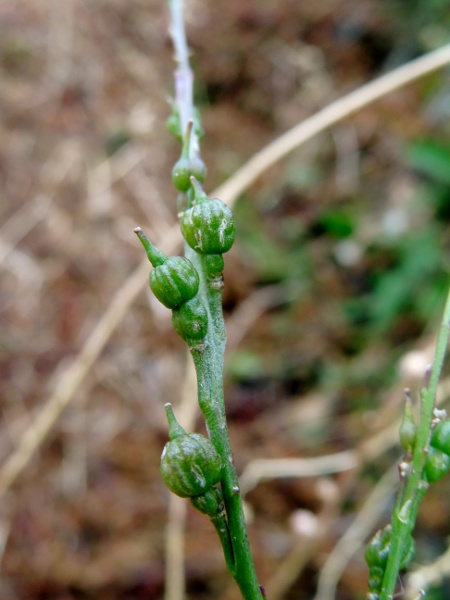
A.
pixel 181 174
pixel 208 227
pixel 408 427
pixel 174 280
pixel 440 438
pixel 187 166
pixel 437 465
pixel 184 169
pixel 377 551
pixel 190 465
pixel 376 575
pixel 210 503
pixel 190 321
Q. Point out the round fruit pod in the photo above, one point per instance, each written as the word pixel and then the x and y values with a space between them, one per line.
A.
pixel 190 321
pixel 376 575
pixel 377 550
pixel 440 438
pixel 190 465
pixel 210 503
pixel 181 174
pixel 437 465
pixel 175 282
pixel 208 227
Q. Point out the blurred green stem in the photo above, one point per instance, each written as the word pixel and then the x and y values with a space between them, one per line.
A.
pixel 405 512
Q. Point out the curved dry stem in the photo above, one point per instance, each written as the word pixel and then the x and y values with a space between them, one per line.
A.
pixel 328 116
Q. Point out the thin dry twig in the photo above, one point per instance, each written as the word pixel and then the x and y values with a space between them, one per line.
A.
pixel 330 115
pixel 263 469
pixel 53 173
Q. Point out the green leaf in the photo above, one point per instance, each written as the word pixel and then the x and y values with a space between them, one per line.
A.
pixel 431 159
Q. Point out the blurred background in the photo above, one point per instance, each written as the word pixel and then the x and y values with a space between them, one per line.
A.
pixel 333 290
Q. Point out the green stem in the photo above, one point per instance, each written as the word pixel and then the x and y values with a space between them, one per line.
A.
pixel 209 360
pixel 404 516
pixel 210 396
pixel 221 526
pixel 209 368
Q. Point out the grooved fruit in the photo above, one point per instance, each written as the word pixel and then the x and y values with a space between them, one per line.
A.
pixel 190 465
pixel 174 282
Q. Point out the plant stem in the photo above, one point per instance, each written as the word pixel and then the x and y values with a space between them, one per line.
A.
pixel 208 360
pixel 405 512
pixel 209 368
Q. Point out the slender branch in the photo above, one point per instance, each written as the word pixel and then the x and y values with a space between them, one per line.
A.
pixel 404 518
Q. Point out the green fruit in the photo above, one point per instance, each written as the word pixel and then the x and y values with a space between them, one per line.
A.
pixel 190 321
pixel 190 465
pixel 199 170
pixel 377 551
pixel 175 282
pixel 437 465
pixel 186 168
pixel 440 438
pixel 208 227
pixel 210 503
pixel 376 575
pixel 181 174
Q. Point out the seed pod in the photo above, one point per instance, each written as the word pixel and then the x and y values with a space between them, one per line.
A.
pixel 184 169
pixel 377 551
pixel 210 503
pixel 376 575
pixel 208 227
pixel 440 438
pixel 190 321
pixel 190 465
pixel 173 280
pixel 188 165
pixel 437 465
